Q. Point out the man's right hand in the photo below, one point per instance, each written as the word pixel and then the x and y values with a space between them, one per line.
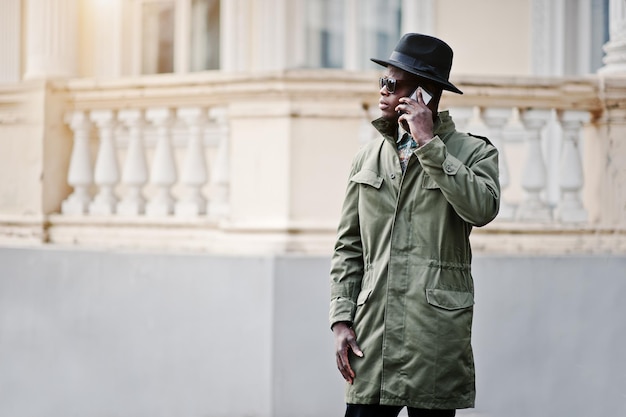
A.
pixel 345 339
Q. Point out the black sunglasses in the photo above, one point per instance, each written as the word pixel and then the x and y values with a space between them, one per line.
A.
pixel 390 83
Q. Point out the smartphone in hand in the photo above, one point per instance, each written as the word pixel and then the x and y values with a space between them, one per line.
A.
pixel 426 96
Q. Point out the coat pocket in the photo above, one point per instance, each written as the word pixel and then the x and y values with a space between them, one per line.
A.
pixel 429 183
pixel 365 176
pixel 449 300
pixel 364 295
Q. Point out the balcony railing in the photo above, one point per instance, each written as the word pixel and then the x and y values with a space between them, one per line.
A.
pixel 152 163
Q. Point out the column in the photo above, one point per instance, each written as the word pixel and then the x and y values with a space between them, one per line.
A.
pixel 571 180
pixel 80 174
pixel 534 177
pixel 615 48
pixel 194 171
pixel 496 119
pixel 106 172
pixel 135 173
pixel 418 16
pixel 52 38
pixel 10 40
pixel 163 172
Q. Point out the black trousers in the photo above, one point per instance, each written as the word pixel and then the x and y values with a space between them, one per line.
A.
pixel 377 410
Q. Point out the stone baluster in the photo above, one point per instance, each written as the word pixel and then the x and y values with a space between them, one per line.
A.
pixel 571 180
pixel 476 125
pixel 496 119
pixel 461 117
pixel 135 173
pixel 163 170
pixel 80 173
pixel 219 205
pixel 194 170
pixel 534 176
pixel 106 173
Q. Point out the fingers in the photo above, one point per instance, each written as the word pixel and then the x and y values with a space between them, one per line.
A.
pixel 345 343
pixel 343 364
pixel 420 97
pixel 355 348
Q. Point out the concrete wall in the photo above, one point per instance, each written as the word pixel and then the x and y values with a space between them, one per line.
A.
pixel 95 334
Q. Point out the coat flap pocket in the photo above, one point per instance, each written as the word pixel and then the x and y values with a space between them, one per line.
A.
pixel 368 177
pixel 449 300
pixel 429 183
pixel 363 296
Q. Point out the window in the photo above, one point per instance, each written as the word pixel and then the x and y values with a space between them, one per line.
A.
pixel 379 29
pixel 157 37
pixel 325 24
pixel 175 36
pixel 205 35
pixel 346 33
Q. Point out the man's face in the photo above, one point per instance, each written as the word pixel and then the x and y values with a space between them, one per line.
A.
pixel 405 85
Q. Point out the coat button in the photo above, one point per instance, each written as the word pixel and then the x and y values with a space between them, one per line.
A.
pixel 393 176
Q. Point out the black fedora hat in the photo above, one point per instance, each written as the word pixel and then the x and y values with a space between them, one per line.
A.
pixel 424 56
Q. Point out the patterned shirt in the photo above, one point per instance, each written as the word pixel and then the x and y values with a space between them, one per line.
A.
pixel 406 145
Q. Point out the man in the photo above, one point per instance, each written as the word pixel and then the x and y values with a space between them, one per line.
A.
pixel 401 286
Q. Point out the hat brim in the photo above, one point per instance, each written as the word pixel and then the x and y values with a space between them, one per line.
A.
pixel 446 85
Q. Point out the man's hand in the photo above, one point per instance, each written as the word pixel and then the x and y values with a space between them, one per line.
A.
pixel 345 339
pixel 418 118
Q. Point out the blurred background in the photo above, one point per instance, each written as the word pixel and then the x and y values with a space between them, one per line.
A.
pixel 172 173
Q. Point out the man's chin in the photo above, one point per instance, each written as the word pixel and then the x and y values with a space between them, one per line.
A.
pixel 390 117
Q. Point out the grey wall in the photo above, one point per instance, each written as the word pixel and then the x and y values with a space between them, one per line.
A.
pixel 95 334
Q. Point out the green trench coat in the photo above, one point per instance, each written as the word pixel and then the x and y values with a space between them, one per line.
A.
pixel 401 270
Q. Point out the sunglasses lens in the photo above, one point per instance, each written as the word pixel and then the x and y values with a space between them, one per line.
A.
pixel 390 83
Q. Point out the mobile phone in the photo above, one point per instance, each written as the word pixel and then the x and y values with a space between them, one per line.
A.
pixel 426 96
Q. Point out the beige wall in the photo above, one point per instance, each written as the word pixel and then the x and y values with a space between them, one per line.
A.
pixel 489 37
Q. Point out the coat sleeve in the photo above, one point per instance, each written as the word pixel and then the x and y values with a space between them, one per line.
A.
pixel 473 190
pixel 346 270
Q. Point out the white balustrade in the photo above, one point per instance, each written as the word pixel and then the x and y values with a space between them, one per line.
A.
pixel 80 174
pixel 205 133
pixel 496 118
pixel 534 176
pixel 461 116
pixel 571 180
pixel 135 173
pixel 219 205
pixel 163 169
pixel 106 172
pixel 194 170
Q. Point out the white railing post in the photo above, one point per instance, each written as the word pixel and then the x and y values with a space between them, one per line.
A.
pixel 219 204
pixel 571 180
pixel 461 116
pixel 534 176
pixel 106 172
pixel 496 118
pixel 80 173
pixel 135 173
pixel 163 170
pixel 194 170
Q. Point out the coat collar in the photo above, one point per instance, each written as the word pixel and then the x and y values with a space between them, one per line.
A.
pixel 443 125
